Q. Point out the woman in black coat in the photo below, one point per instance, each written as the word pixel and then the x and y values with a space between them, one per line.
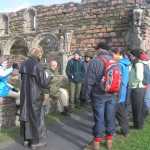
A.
pixel 33 80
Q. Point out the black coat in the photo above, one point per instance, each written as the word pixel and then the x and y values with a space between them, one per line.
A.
pixel 33 80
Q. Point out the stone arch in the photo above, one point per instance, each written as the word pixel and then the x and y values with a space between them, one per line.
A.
pixel 50 44
pixel 4 24
pixel 30 23
pixel 17 46
pixel 48 41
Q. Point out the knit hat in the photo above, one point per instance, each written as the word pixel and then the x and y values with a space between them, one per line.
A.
pixel 136 53
pixel 77 52
pixel 144 56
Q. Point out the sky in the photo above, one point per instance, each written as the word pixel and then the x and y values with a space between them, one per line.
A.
pixel 14 5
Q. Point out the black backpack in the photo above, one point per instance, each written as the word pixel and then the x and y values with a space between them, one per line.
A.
pixel 146 79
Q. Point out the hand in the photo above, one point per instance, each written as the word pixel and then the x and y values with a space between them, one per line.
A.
pixel 15 66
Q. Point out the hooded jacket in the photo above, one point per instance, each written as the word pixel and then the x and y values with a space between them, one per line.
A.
pixel 124 67
pixel 93 78
pixel 4 76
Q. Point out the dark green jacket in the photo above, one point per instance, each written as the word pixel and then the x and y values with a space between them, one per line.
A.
pixel 75 70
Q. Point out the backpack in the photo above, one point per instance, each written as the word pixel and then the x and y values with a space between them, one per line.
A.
pixel 146 79
pixel 111 80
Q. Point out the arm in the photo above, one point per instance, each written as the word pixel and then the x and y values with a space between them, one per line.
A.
pixel 68 69
pixel 42 77
pixel 93 75
pixel 83 70
pixel 6 72
pixel 139 72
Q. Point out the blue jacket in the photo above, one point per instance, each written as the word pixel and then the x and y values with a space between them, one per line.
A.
pixel 4 88
pixel 124 66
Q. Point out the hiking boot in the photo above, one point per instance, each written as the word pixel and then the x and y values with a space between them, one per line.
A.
pixel 38 145
pixel 109 144
pixel 26 143
pixel 93 146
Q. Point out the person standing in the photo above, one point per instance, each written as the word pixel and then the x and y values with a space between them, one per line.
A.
pixel 136 78
pixel 6 89
pixel 121 112
pixel 146 62
pixel 103 103
pixel 87 59
pixel 33 80
pixel 75 72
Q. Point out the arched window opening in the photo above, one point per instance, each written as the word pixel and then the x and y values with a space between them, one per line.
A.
pixel 19 47
pixel 30 20
pixel 4 24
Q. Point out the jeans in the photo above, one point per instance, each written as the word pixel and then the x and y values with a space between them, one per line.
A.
pixel 147 98
pixel 104 117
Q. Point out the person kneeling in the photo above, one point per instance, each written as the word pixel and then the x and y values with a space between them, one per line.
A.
pixel 58 94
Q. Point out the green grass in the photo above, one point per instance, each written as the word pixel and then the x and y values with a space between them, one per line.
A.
pixel 137 139
pixel 8 134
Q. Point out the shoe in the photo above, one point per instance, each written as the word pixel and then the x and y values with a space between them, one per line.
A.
pixel 26 143
pixel 93 146
pixel 109 144
pixel 35 146
pixel 64 113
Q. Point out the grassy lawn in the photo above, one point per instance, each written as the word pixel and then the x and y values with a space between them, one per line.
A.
pixel 137 139
pixel 8 134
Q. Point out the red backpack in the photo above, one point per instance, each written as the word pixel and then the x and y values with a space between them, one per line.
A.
pixel 111 80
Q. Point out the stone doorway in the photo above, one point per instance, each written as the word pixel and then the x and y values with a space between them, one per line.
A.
pixel 19 47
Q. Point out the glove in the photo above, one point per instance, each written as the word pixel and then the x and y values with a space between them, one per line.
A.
pixel 15 66
pixel 15 90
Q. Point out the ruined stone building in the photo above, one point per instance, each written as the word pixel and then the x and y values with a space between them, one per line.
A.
pixel 60 29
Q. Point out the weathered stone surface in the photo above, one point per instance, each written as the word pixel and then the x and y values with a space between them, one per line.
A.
pixel 7 112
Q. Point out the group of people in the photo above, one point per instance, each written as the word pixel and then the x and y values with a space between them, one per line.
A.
pixel 110 107
pixel 85 83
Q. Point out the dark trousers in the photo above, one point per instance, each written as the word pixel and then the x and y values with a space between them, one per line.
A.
pixel 137 102
pixel 75 89
pixel 122 117
pixel 104 117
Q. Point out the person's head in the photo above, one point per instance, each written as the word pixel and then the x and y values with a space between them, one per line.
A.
pixel 136 53
pixel 102 46
pixel 37 52
pixel 53 65
pixel 77 55
pixel 88 56
pixel 118 53
pixel 144 56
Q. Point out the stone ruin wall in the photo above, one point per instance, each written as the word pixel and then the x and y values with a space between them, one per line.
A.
pixel 90 23
pixel 146 29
